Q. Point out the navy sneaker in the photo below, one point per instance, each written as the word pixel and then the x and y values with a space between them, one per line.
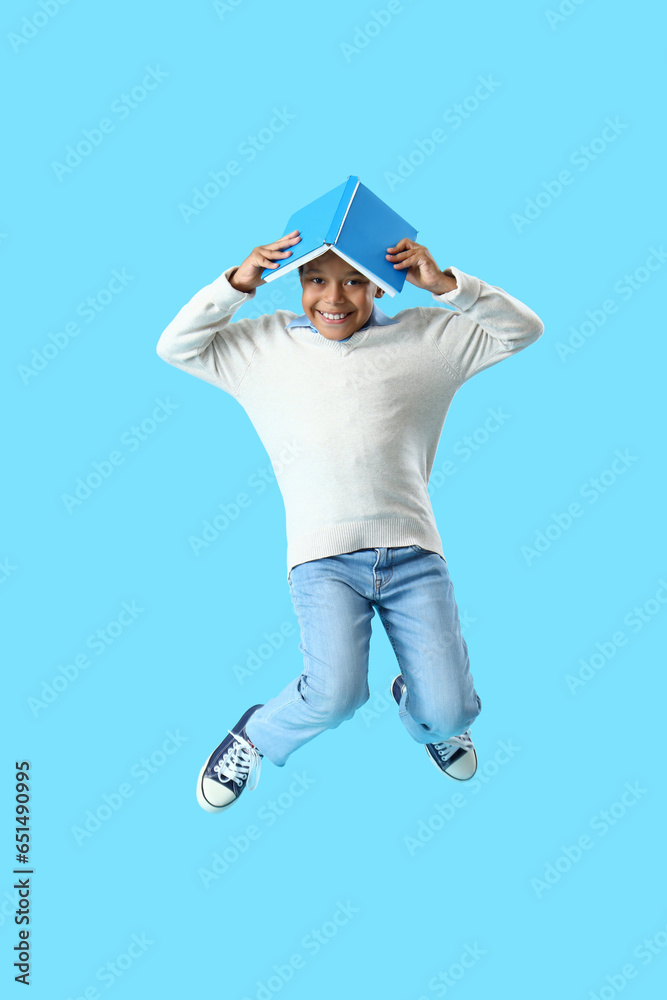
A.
pixel 232 766
pixel 457 756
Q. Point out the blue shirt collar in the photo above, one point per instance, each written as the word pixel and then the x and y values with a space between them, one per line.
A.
pixel 376 318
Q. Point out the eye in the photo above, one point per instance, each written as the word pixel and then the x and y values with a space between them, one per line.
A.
pixel 355 281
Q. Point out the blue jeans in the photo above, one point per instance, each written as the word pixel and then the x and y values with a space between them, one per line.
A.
pixel 335 599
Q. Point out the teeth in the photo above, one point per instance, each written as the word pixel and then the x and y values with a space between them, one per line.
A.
pixel 333 315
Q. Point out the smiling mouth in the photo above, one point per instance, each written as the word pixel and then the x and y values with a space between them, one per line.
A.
pixel 333 322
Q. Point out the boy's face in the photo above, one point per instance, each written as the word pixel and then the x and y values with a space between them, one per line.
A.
pixel 331 285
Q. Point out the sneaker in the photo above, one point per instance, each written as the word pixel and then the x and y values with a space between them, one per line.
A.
pixel 457 756
pixel 233 766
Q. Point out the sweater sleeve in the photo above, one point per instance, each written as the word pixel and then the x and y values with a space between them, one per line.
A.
pixel 202 341
pixel 488 325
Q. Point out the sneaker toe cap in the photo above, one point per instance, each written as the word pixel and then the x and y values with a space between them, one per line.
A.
pixel 212 795
pixel 465 767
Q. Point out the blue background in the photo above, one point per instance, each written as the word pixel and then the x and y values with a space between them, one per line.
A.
pixel 364 89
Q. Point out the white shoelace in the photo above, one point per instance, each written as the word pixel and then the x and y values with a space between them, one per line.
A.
pixel 241 763
pixel 450 746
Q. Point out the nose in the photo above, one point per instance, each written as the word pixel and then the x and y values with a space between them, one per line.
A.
pixel 335 295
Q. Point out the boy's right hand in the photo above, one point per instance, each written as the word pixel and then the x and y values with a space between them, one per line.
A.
pixel 247 275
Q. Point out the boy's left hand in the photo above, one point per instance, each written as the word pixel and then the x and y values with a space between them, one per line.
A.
pixel 422 269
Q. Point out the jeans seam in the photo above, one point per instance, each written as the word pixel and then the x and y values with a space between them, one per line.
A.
pixel 387 628
pixel 304 672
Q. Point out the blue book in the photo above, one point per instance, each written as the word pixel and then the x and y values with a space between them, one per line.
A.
pixel 354 223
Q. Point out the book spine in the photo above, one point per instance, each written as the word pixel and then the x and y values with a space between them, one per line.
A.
pixel 343 208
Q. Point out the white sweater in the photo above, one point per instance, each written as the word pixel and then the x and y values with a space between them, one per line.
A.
pixel 351 427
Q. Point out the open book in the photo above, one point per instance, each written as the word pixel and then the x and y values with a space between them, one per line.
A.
pixel 354 223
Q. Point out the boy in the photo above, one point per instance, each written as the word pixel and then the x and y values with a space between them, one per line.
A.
pixel 364 396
